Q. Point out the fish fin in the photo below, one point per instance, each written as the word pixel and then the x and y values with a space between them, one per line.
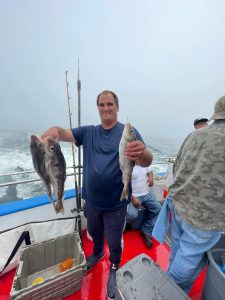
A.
pixel 51 200
pixel 49 191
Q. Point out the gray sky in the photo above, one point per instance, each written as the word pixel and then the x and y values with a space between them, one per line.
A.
pixel 164 59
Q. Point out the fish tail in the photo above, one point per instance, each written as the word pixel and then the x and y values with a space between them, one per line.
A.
pixel 59 207
pixel 124 195
pixel 49 191
pixel 51 199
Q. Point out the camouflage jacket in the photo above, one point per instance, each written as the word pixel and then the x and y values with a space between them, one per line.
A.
pixel 198 190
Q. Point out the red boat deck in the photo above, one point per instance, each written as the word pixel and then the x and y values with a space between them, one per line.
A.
pixel 94 284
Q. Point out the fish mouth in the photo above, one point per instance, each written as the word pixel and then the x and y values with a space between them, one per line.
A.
pixel 33 138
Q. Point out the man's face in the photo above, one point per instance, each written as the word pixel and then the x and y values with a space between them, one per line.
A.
pixel 201 125
pixel 107 108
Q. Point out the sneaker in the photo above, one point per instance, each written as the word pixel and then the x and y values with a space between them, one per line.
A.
pixel 111 286
pixel 147 240
pixel 93 259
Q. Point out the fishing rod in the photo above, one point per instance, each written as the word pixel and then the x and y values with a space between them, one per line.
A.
pixel 77 188
pixel 79 124
pixel 79 208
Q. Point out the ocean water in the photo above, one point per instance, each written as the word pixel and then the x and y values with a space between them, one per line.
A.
pixel 15 157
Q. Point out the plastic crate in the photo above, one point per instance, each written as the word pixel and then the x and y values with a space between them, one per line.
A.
pixel 42 260
pixel 141 278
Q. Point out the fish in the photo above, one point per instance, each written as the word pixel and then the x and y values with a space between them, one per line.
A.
pixel 126 165
pixel 55 165
pixel 37 149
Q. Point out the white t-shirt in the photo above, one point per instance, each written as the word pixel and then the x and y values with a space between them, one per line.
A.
pixel 139 181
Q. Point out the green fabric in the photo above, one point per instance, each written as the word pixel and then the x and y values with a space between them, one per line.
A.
pixel 198 190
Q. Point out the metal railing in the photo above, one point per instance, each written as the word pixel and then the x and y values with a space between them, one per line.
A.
pixel 27 180
pixel 11 183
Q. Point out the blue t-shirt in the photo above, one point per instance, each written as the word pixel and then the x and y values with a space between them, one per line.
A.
pixel 102 177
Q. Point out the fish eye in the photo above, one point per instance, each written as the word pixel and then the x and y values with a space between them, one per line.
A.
pixel 39 145
pixel 51 148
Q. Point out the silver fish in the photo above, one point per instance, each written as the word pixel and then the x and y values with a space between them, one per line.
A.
pixel 37 149
pixel 56 168
pixel 126 165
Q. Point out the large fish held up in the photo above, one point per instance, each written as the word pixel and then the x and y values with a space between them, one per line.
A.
pixel 126 165
pixel 56 168
pixel 49 162
pixel 37 149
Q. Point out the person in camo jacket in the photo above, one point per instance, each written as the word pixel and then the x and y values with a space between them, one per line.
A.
pixel 196 199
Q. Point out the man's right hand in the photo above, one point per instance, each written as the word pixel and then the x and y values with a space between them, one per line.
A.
pixel 59 134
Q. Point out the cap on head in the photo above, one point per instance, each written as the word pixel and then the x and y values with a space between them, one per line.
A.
pixel 219 109
pixel 196 121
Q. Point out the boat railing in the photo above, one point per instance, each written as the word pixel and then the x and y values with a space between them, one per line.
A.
pixel 24 181
pixel 13 206
pixel 29 180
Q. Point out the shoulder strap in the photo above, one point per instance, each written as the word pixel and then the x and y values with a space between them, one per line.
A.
pixel 24 236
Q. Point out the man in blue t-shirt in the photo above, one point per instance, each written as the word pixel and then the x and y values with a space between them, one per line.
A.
pixel 102 179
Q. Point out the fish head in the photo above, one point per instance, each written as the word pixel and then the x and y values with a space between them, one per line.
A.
pixel 37 146
pixel 54 157
pixel 129 132
pixel 52 147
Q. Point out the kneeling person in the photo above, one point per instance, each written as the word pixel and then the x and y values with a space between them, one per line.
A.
pixel 143 199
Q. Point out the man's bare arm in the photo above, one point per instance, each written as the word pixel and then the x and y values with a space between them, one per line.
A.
pixel 150 178
pixel 59 134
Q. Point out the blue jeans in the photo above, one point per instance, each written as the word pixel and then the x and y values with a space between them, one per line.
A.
pixel 151 211
pixel 135 216
pixel 188 250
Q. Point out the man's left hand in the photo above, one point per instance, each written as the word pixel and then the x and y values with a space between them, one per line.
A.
pixel 134 150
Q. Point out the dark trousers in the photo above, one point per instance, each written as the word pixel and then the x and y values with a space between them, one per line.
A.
pixel 107 225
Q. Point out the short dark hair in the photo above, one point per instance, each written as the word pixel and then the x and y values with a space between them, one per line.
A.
pixel 116 100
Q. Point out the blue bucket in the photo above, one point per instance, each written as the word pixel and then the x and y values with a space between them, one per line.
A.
pixel 214 286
